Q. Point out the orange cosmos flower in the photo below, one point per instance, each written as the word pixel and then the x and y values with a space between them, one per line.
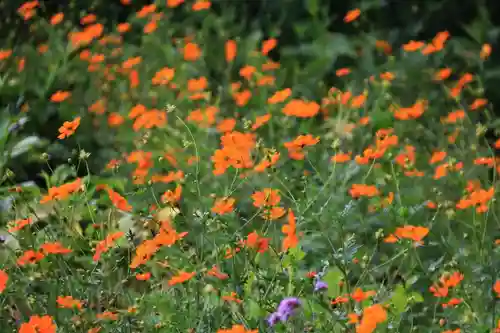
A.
pixel 485 51
pixel 39 324
pixel 180 278
pixel 352 15
pixel 104 245
pixel 4 277
pixel 191 52
pixel 301 109
pixel 68 128
pixel 361 190
pixel 201 5
pixel 68 302
pixel 56 19
pixel 280 96
pixel 60 96
pixel 223 206
pixel 230 49
pixel 268 45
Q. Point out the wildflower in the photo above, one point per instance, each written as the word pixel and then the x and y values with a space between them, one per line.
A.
pixel 290 230
pixel 20 224
pixel 68 128
pixel 352 15
pixel 60 96
pixel 280 96
pixel 485 51
pixel 143 277
pixel 286 309
pixel 223 206
pixel 38 324
pixel 301 109
pixel 320 285
pixel 68 302
pixel 191 52
pixel 104 245
pixel 4 278
pixel 201 5
pixel 215 272
pixel 496 288
pixel 180 278
pixel 54 248
pixel 230 49
pixel 56 18
pixel 268 45
pixel 236 329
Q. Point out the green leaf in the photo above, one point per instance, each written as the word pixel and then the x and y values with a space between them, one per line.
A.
pixel 254 310
pixel 25 145
pixel 333 278
pixel 399 299
pixel 416 297
pixel 312 7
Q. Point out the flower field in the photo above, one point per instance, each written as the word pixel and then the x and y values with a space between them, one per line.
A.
pixel 199 178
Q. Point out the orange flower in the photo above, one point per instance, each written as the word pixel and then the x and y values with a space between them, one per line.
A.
pixel 60 96
pixel 226 125
pixel 107 315
pixel 342 72
pixel 131 62
pixel 146 10
pixel 62 192
pixel 104 245
pixel 301 109
pixel 291 240
pixel 237 329
pixel 352 15
pixel 68 128
pixel 223 206
pixel 54 248
pixel 414 233
pixel 372 316
pixel 30 257
pixel 268 45
pixel 180 278
pixel 442 74
pixel 191 52
pixel 359 295
pixel 266 198
pixel 118 201
pixel 295 147
pixel 478 102
pixel 56 19
pixel 496 288
pixel 230 49
pixel 174 3
pixel 242 98
pixel 20 224
pixel 260 121
pixel 123 27
pixel 341 158
pixel 115 119
pixel 143 277
pixel 280 96
pixel 201 5
pixel 361 190
pixel 485 51
pixel 68 302
pixel 172 196
pixel 37 324
pixel 413 46
pixel 4 277
pixel 215 272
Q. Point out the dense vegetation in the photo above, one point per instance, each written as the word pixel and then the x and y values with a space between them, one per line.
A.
pixel 188 166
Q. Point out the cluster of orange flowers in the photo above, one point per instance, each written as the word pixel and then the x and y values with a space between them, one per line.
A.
pixel 62 192
pixel 268 200
pixel 236 149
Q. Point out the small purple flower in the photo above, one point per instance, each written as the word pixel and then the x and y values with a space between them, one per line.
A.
pixel 273 319
pixel 320 285
pixel 288 305
pixel 285 310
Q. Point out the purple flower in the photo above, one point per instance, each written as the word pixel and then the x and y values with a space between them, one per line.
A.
pixel 320 285
pixel 285 310
pixel 273 319
pixel 288 304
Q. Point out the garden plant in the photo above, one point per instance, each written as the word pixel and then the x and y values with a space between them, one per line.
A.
pixel 201 180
